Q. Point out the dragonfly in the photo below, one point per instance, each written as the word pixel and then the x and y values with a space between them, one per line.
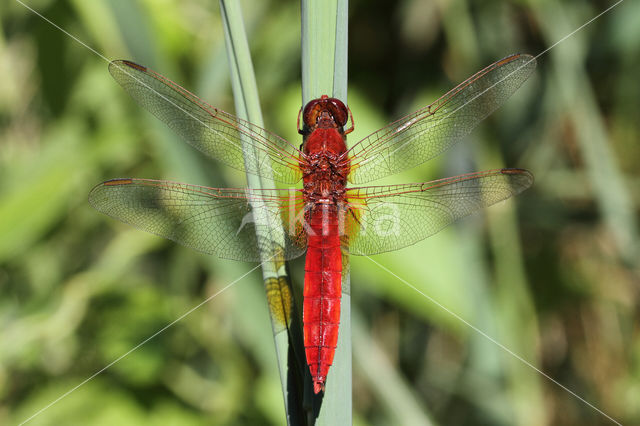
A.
pixel 332 214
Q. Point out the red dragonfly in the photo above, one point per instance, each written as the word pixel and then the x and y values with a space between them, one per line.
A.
pixel 325 217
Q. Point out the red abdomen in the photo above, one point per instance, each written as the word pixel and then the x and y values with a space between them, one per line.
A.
pixel 322 292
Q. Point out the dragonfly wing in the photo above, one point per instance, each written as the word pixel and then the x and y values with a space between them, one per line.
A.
pixel 386 218
pixel 214 132
pixel 420 136
pixel 238 224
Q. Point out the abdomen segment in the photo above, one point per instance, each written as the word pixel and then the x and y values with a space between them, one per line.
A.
pixel 322 293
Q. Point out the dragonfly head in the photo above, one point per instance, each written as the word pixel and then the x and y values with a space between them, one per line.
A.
pixel 324 113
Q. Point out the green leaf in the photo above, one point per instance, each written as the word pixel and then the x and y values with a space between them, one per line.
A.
pixel 324 72
pixel 284 323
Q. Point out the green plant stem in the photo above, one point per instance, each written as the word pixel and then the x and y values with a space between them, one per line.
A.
pixel 324 72
pixel 279 294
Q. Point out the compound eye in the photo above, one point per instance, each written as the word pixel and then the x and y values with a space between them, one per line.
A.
pixel 339 112
pixel 310 113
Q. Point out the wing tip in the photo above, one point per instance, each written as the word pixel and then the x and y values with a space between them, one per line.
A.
pixel 523 173
pixel 527 58
pixel 128 63
pixel 515 171
pixel 110 182
pixel 117 182
pixel 528 61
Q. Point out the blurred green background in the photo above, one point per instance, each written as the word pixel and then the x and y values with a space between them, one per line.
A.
pixel 553 274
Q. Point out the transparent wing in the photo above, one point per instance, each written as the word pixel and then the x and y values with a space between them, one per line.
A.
pixel 214 132
pixel 420 136
pixel 238 224
pixel 385 218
